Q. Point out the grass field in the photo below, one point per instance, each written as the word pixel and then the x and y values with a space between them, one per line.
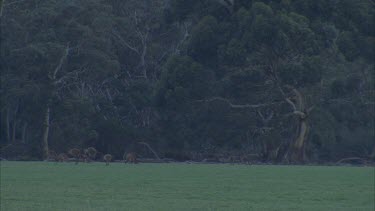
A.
pixel 94 186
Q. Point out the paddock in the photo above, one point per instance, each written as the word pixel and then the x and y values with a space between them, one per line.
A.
pixel 182 186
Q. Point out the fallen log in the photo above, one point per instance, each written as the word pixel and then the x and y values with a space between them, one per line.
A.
pixel 363 160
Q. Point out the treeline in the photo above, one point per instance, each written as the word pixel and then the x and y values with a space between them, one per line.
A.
pixel 284 80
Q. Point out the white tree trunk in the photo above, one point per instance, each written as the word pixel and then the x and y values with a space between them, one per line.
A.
pixel 46 125
pixel 24 133
pixel 2 8
pixel 46 132
pixel 7 126
pixel 14 129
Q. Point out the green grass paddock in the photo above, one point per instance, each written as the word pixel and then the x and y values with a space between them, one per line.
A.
pixel 94 186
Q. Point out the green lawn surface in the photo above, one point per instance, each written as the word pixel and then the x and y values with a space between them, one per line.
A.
pixel 94 186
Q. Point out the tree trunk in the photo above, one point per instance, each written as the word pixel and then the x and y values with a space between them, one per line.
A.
pixel 46 133
pixel 372 156
pixel 24 133
pixel 2 8
pixel 14 128
pixel 143 60
pixel 297 151
pixel 46 125
pixel 7 126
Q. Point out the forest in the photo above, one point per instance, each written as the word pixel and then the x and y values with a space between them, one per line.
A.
pixel 282 81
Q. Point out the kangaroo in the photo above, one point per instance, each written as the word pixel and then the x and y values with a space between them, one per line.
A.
pixel 245 159
pixel 52 156
pixel 90 153
pixel 130 157
pixel 75 153
pixel 234 159
pixel 62 157
pixel 107 158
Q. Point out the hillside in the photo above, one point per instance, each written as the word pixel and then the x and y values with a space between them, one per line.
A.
pixel 285 80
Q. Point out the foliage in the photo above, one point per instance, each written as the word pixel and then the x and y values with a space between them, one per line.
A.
pixel 173 74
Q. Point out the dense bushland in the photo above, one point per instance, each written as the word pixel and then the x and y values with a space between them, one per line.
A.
pixel 285 80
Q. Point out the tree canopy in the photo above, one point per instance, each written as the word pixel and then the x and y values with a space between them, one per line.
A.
pixel 289 81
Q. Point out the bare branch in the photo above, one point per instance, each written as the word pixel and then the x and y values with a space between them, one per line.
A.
pixel 300 104
pixel 65 55
pixel 125 43
pixel 69 75
pixel 310 109
pixel 300 114
pixel 149 147
pixel 13 2
pixel 239 105
pixel 291 103
pixel 265 119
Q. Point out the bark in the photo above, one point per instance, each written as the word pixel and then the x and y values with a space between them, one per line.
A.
pixel 296 153
pixel 297 150
pixel 303 130
pixel 46 132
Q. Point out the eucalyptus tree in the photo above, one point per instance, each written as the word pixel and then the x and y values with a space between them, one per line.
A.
pixel 61 49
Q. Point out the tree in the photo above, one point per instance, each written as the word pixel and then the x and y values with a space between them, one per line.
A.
pixel 289 81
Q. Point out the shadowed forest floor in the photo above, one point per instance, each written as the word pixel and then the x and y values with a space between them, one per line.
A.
pixel 94 186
